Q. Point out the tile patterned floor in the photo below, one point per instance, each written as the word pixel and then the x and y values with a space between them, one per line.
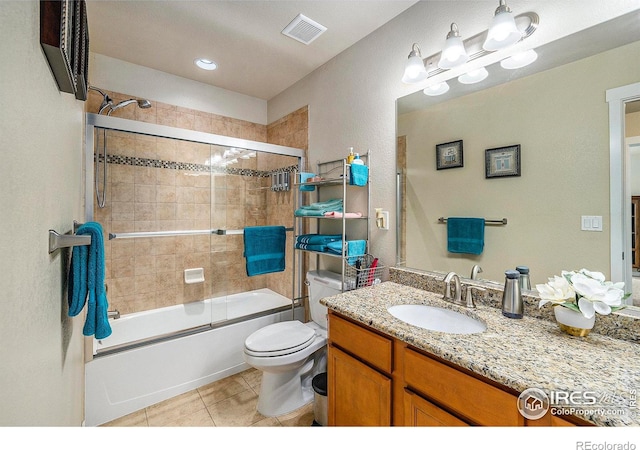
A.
pixel 230 402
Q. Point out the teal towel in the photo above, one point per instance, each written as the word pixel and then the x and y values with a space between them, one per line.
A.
pixel 304 176
pixel 359 174
pixel 354 249
pixel 86 282
pixel 465 235
pixel 317 238
pixel 264 249
pixel 319 208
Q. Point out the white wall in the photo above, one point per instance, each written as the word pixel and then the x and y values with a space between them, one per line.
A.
pixel 120 76
pixel 41 349
pixel 352 97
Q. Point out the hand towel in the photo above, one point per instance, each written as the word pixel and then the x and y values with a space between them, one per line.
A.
pixel 86 282
pixel 264 249
pixel 304 176
pixel 359 174
pixel 354 249
pixel 465 235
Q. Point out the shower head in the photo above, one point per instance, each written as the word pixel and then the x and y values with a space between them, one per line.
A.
pixel 142 103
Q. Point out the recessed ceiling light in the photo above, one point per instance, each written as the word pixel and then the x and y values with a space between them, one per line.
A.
pixel 205 64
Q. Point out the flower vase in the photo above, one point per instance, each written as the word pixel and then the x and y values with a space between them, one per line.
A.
pixel 573 322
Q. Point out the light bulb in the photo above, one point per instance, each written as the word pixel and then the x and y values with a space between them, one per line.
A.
pixel 503 31
pixel 474 76
pixel 519 60
pixel 436 89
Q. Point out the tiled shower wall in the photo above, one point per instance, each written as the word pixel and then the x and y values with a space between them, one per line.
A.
pixel 158 184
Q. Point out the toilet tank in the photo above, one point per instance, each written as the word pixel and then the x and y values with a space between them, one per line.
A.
pixel 322 283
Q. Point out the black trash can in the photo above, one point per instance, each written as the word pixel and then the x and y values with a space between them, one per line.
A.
pixel 319 384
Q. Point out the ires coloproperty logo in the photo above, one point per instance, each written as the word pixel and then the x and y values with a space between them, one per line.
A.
pixel 533 403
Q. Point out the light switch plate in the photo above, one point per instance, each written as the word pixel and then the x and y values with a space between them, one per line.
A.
pixel 591 223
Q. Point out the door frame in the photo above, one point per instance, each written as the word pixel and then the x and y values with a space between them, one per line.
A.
pixel 620 183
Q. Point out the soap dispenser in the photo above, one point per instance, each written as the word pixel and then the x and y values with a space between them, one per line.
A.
pixel 350 156
pixel 512 305
pixel 525 283
pixel 357 160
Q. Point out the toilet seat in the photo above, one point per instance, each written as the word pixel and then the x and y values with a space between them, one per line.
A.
pixel 279 339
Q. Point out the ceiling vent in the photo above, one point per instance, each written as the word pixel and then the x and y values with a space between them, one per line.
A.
pixel 303 29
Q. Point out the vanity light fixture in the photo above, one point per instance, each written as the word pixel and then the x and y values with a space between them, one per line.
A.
pixel 436 89
pixel 205 64
pixel 503 31
pixel 519 60
pixel 453 54
pixel 473 76
pixel 414 71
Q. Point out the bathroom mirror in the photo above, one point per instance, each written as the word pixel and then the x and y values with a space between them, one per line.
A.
pixel 556 111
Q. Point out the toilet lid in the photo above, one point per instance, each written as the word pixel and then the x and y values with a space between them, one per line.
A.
pixel 280 338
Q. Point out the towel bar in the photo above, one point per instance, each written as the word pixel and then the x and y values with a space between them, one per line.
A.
pixel 494 221
pixel 57 241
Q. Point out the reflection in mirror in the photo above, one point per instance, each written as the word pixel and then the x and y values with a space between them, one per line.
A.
pixel 559 118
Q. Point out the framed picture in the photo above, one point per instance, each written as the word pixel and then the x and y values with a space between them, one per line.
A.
pixel 449 155
pixel 502 162
pixel 64 38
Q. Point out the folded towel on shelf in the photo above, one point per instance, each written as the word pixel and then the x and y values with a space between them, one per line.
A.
pixel 264 249
pixel 319 208
pixel 465 235
pixel 312 247
pixel 354 248
pixel 304 176
pixel 318 238
pixel 86 282
pixel 359 174
pixel 347 215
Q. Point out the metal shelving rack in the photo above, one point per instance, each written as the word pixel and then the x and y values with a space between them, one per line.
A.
pixel 335 174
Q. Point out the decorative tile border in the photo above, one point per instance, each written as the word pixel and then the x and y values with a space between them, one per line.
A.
pixel 163 164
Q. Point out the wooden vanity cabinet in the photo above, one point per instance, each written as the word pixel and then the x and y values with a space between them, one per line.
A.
pixel 377 380
pixel 463 398
pixel 359 375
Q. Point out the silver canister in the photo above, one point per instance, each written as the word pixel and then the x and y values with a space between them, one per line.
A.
pixel 525 283
pixel 512 305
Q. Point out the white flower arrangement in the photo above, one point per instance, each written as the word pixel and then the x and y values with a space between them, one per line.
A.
pixel 584 291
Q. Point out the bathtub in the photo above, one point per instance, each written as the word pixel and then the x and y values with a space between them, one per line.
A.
pixel 155 355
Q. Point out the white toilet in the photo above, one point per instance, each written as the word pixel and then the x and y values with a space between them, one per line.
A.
pixel 291 353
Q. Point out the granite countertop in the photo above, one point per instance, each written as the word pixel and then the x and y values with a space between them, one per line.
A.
pixel 518 353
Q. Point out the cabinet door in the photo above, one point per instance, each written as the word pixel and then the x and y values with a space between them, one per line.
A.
pixel 357 394
pixel 419 412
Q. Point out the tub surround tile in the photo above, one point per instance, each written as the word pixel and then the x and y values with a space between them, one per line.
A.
pixel 519 354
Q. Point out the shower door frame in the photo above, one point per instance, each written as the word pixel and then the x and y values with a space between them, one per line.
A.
pixel 94 121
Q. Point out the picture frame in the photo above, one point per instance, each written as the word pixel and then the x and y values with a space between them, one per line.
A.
pixel 64 38
pixel 502 162
pixel 449 155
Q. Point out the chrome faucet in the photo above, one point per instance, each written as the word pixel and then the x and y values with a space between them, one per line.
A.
pixel 475 270
pixel 469 298
pixel 457 296
pixel 113 314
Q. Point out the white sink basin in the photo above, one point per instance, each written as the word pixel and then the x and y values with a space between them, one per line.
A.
pixel 437 319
